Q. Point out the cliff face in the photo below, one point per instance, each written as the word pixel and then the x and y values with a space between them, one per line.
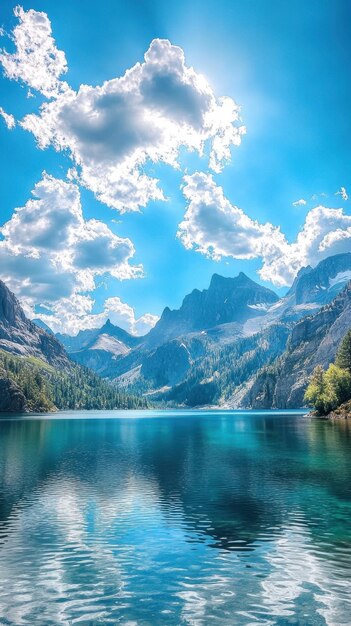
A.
pixel 226 300
pixel 37 375
pixel 20 336
pixel 321 283
pixel 313 341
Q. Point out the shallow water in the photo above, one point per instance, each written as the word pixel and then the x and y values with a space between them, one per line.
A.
pixel 195 518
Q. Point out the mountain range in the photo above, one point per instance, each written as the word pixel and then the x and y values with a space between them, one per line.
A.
pixel 216 348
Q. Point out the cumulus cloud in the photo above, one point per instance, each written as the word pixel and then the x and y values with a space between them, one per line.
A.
pixel 121 314
pixel 70 315
pixel 36 61
pixel 300 202
pixel 144 323
pixel 8 119
pixel 114 130
pixel 343 193
pixel 49 251
pixel 217 229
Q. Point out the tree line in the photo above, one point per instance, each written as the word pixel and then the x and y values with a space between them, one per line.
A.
pixel 77 387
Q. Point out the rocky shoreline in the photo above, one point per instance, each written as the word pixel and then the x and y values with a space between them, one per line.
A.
pixel 342 412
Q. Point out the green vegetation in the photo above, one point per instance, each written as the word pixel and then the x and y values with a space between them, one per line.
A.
pixel 45 388
pixel 343 357
pixel 328 390
pixel 217 375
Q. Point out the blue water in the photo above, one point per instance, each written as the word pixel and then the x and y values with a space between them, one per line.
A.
pixel 185 518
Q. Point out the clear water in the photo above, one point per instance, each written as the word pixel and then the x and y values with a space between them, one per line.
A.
pixel 148 519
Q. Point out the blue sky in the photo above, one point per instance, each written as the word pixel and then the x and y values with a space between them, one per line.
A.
pixel 285 64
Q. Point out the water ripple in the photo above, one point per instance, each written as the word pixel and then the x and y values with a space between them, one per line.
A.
pixel 232 521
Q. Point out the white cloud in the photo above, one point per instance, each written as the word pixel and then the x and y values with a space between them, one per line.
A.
pixel 49 251
pixel 217 229
pixel 50 256
pixel 36 61
pixel 8 119
pixel 70 315
pixel 343 193
pixel 143 324
pixel 300 202
pixel 114 130
pixel 121 314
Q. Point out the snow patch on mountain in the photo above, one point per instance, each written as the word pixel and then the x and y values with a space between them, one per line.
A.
pixel 340 278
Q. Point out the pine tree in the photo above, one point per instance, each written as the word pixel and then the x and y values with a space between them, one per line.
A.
pixel 343 357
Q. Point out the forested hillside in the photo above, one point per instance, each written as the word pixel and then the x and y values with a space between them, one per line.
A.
pixel 214 378
pixel 36 373
pixel 29 384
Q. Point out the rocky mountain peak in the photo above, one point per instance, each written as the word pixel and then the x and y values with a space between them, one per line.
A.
pixel 228 282
pixel 226 300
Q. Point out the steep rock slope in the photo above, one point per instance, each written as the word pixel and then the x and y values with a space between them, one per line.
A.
pixel 211 379
pixel 313 341
pixel 311 289
pixel 226 300
pixel 18 335
pixel 177 369
pixel 321 284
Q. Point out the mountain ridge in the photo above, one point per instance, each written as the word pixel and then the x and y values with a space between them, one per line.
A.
pixel 195 343
pixel 226 300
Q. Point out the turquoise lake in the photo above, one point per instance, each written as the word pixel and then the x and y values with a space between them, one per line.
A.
pixel 175 518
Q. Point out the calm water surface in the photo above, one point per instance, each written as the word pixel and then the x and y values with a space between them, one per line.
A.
pixel 150 519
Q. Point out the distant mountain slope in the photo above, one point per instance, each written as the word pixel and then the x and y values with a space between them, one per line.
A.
pixel 88 339
pixel 36 373
pixel 313 341
pixel 176 368
pixel 98 348
pixel 211 379
pixel 311 289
